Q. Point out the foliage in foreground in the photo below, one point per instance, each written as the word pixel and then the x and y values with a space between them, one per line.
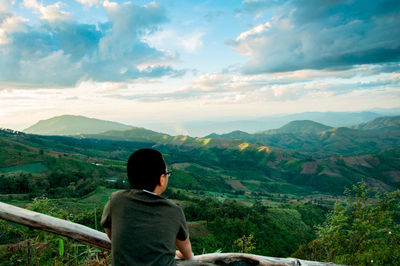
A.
pixel 228 226
pixel 272 231
pixel 362 231
pixel 25 246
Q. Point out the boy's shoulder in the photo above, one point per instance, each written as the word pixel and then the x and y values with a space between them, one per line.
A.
pixel 142 195
pixel 116 195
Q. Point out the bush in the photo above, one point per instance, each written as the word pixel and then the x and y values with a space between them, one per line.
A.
pixel 364 230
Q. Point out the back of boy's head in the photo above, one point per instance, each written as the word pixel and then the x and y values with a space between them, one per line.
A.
pixel 144 169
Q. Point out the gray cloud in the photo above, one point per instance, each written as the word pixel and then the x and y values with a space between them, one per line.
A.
pixel 63 52
pixel 318 34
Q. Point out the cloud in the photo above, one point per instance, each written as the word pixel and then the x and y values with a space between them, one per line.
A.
pixel 89 2
pixel 368 70
pixel 58 51
pixel 387 81
pixel 277 87
pixel 73 98
pixel 6 4
pixel 211 81
pixel 318 34
pixel 190 43
pixel 50 12
pixel 222 88
pixel 10 23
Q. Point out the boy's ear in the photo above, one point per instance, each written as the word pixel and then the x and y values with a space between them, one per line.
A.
pixel 162 179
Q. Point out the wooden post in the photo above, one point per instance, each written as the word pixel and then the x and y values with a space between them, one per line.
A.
pixel 244 244
pixel 95 218
pixel 29 252
pixel 55 225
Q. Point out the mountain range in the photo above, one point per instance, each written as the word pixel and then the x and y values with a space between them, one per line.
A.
pixel 298 157
pixel 253 125
pixel 303 136
pixel 323 141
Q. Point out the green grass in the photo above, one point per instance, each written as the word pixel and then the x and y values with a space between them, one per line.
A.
pixel 30 168
pixel 289 218
pixel 100 196
pixel 95 199
pixel 253 185
pixel 20 200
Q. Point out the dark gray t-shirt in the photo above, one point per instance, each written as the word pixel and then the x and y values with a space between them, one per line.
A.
pixel 144 227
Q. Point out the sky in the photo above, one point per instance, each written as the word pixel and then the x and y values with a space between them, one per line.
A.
pixel 140 62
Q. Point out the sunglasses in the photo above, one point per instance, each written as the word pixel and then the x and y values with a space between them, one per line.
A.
pixel 168 173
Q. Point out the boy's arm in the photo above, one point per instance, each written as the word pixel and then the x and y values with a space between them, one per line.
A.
pixel 108 232
pixel 106 219
pixel 185 249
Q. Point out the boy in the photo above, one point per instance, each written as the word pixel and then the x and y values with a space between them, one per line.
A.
pixel 144 227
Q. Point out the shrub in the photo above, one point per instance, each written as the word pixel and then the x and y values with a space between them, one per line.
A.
pixel 364 230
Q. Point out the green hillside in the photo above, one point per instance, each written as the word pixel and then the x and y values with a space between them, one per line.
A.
pixel 237 134
pixel 227 166
pixel 36 170
pixel 299 127
pixel 227 188
pixel 347 141
pixel 309 160
pixel 381 123
pixel 73 125
pixel 132 134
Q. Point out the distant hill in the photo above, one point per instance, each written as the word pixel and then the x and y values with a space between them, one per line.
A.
pixel 237 134
pixel 159 139
pixel 380 123
pixel 334 119
pixel 73 125
pixel 137 134
pixel 204 128
pixel 304 136
pixel 310 137
pixel 299 127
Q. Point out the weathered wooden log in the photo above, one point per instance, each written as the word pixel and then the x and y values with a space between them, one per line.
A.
pixel 93 237
pixel 243 259
pixel 55 225
pixel 237 259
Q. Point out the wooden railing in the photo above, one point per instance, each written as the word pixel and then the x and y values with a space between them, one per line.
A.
pixel 93 237
pixel 55 225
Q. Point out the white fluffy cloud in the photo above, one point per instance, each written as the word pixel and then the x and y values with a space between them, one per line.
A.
pixel 90 2
pixel 50 12
pixel 10 24
pixel 58 51
pixel 189 42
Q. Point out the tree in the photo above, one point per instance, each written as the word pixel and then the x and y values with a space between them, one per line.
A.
pixel 245 244
pixel 364 229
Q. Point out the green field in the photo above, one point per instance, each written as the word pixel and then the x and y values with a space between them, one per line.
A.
pixel 98 197
pixel 30 168
pixel 94 200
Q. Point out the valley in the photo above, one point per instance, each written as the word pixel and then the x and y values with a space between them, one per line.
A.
pixel 277 185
